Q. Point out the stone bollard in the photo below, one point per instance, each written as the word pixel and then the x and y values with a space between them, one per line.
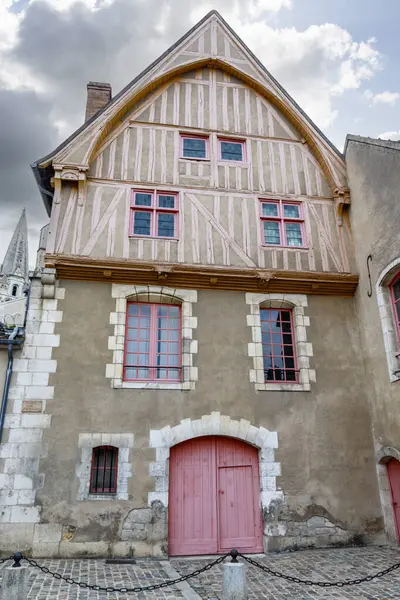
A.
pixel 235 587
pixel 15 581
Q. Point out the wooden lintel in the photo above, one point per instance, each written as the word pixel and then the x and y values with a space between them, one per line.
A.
pixel 203 277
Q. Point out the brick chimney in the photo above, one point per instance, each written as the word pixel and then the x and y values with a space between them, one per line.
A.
pixel 98 95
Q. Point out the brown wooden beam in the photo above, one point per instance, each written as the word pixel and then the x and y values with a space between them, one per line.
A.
pixel 202 277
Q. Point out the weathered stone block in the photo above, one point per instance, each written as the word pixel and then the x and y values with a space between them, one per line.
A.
pixel 14 584
pixel 47 533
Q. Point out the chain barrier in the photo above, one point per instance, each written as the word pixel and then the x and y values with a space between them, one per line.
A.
pixel 17 557
pixel 126 590
pixel 323 584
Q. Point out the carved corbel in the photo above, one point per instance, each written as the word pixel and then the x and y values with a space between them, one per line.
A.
pixel 71 173
pixel 48 280
pixel 264 278
pixel 342 198
pixel 163 271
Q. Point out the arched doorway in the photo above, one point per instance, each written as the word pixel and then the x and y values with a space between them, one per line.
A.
pixel 393 468
pixel 214 497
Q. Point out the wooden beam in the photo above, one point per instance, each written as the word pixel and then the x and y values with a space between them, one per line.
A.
pixel 202 277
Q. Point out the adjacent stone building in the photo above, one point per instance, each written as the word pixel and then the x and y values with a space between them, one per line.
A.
pixel 200 369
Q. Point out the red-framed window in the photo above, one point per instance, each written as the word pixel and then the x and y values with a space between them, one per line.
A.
pixel 231 149
pixel 282 223
pixel 153 342
pixel 104 470
pixel 195 147
pixel 154 214
pixel 278 345
pixel 395 295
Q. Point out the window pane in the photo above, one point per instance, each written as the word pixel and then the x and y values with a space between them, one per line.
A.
pixel 166 201
pixel 131 359
pixel 166 224
pixel 142 223
pixel 168 347
pixel 271 233
pixel 269 209
pixel 396 290
pixel 232 151
pixel 291 211
pixel 398 311
pixel 293 234
pixel 194 148
pixel 103 476
pixel 278 349
pixel 143 199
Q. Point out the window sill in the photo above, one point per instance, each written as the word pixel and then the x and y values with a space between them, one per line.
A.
pixel 272 246
pixel 235 163
pixel 283 387
pixel 191 158
pixel 97 497
pixel 154 385
pixel 133 236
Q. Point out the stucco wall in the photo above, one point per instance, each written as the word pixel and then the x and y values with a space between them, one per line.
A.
pixel 327 463
pixel 374 177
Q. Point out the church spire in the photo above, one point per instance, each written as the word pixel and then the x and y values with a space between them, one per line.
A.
pixel 16 259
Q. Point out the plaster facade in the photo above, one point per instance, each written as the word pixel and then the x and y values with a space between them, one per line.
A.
pixel 373 170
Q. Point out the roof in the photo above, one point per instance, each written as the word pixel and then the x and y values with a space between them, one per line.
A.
pixel 393 145
pixel 44 174
pixel 16 258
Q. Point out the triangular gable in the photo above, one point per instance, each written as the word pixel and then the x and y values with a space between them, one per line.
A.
pixel 210 42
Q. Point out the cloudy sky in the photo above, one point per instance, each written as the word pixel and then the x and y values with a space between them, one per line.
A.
pixel 338 59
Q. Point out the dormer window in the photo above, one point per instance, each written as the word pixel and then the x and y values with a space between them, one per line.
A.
pixel 14 290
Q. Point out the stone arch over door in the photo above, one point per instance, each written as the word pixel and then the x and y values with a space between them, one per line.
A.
pixel 383 457
pixel 219 425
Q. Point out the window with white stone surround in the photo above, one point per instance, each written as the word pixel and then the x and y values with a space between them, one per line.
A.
pixel 89 441
pixel 296 304
pixel 153 295
pixel 388 314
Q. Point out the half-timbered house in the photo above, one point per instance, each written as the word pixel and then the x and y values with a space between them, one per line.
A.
pixel 192 377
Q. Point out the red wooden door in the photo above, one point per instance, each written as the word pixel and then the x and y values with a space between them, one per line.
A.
pixel 192 511
pixel 238 483
pixel 214 497
pixel 393 468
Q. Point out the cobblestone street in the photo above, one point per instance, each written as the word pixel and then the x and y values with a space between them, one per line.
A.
pixel 325 565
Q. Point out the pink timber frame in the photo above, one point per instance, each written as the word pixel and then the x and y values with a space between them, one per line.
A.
pixel 394 303
pixel 240 141
pixel 154 209
pixel 193 136
pixel 153 341
pixel 282 220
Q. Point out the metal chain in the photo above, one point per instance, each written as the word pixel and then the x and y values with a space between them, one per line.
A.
pixel 148 588
pixel 324 584
pixel 3 560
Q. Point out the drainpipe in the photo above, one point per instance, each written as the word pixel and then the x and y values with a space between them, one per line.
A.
pixel 7 382
pixel 11 343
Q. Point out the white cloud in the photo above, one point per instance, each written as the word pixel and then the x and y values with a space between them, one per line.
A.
pixel 65 5
pixel 315 65
pixel 394 136
pixel 382 98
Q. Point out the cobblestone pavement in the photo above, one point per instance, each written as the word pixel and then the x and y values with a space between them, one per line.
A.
pixel 325 565
pixel 96 572
pixel 322 565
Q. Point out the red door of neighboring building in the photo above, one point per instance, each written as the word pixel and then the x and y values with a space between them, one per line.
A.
pixel 214 497
pixel 393 468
